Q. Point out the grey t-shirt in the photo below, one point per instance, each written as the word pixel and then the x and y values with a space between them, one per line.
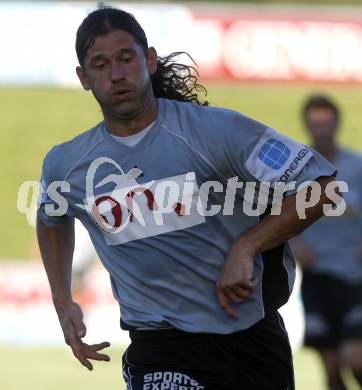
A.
pixel 164 267
pixel 336 241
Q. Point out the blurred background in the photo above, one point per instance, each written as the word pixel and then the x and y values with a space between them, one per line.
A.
pixel 262 58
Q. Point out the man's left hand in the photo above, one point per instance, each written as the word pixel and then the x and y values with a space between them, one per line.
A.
pixel 236 280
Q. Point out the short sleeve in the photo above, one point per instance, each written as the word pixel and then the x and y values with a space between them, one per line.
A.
pixel 255 152
pixel 278 158
pixel 45 213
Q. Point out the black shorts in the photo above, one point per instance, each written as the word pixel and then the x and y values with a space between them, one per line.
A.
pixel 333 310
pixel 254 359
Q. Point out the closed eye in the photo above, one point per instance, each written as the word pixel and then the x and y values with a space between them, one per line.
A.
pixel 127 59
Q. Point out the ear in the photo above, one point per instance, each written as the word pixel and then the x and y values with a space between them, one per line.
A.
pixel 152 60
pixel 83 78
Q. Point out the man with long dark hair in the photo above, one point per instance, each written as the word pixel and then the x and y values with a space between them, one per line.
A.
pixel 198 289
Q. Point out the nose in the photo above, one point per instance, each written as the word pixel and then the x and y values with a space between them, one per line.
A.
pixel 118 73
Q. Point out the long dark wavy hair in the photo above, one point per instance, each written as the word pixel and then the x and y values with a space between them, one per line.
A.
pixel 172 80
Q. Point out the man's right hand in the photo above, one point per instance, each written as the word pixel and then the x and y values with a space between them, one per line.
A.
pixel 71 320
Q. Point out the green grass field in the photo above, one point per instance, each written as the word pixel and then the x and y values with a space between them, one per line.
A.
pixel 57 369
pixel 34 119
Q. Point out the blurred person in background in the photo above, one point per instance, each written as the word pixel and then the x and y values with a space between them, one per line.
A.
pixel 330 255
pixel 200 298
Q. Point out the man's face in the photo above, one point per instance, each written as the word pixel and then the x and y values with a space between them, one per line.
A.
pixel 321 124
pixel 117 71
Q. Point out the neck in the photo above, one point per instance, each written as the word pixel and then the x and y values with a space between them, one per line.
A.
pixel 124 127
pixel 328 151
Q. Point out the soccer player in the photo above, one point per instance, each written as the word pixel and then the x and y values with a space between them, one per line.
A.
pixel 198 287
pixel 330 254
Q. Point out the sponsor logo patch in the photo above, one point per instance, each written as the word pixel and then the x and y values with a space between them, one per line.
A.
pixel 276 157
pixel 274 154
pixel 134 211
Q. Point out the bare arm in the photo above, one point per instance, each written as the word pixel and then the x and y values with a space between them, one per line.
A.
pixel 236 280
pixel 56 247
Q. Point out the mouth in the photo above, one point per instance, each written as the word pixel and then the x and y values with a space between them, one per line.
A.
pixel 121 93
